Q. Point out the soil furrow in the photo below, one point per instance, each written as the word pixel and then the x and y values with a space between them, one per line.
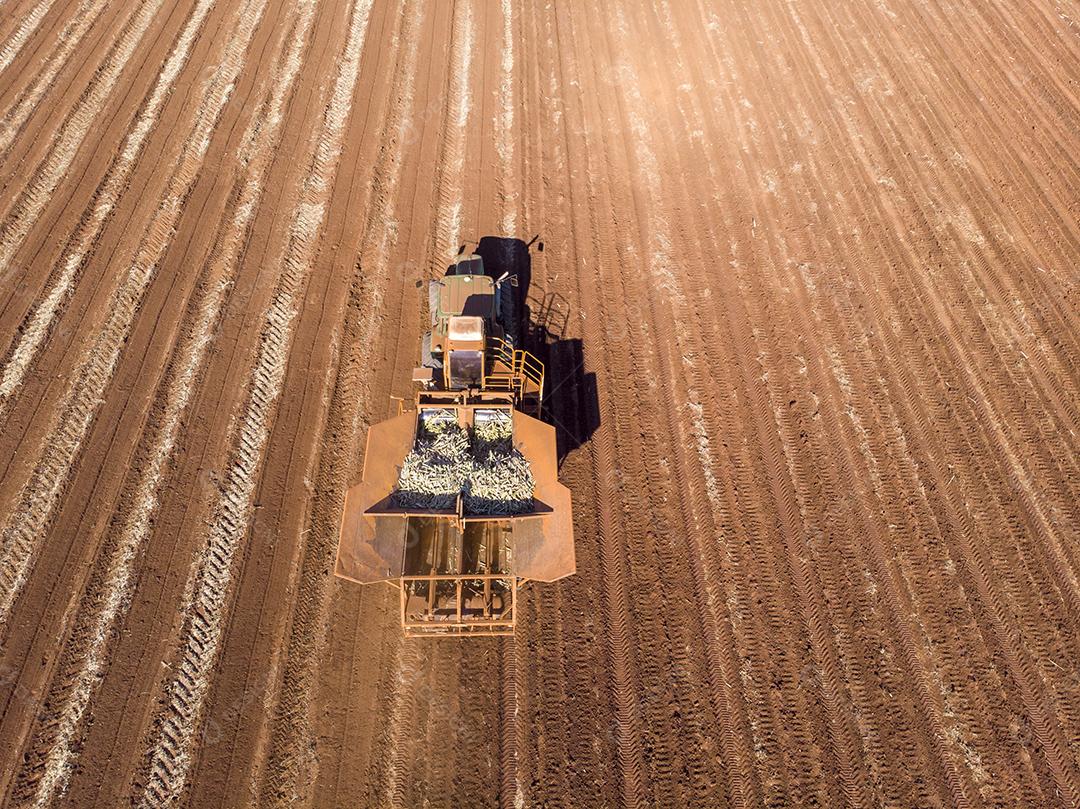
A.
pixel 170 753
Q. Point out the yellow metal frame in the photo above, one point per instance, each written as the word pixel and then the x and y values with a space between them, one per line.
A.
pixel 501 624
pixel 524 367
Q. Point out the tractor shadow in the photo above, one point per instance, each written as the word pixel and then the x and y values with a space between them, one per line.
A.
pixel 571 404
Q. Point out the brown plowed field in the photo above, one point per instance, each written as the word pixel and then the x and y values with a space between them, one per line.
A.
pixel 816 265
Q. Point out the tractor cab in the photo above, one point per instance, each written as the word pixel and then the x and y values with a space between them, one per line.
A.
pixel 468 337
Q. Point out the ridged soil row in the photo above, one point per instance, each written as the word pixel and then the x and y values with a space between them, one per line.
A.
pixel 710 677
pixel 1051 413
pixel 1015 76
pixel 505 141
pixel 860 635
pixel 43 616
pixel 369 299
pixel 994 292
pixel 37 260
pixel 402 704
pixel 575 727
pixel 1054 500
pixel 1037 527
pixel 827 674
pixel 636 557
pixel 25 100
pixel 26 28
pixel 510 148
pixel 791 421
pixel 170 754
pixel 975 565
pixel 927 691
pixel 616 478
pixel 1039 202
pixel 55 743
pixel 1057 30
pixel 706 418
pixel 37 324
pixel 25 528
pixel 20 216
pixel 933 622
pixel 544 740
pixel 844 757
pixel 798 417
pixel 357 628
pixel 447 233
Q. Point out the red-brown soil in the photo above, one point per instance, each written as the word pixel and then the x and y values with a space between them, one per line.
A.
pixel 823 261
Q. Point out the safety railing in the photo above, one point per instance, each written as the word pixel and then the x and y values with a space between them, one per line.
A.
pixel 524 369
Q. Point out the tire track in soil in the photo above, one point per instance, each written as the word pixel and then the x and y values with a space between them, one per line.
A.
pixel 983 585
pixel 210 577
pixel 41 81
pixel 929 676
pixel 504 125
pixel 20 35
pixel 292 737
pixel 625 702
pixel 694 126
pixel 46 764
pixel 1035 450
pixel 37 325
pixel 649 631
pixel 922 318
pixel 511 793
pixel 870 374
pixel 846 752
pixel 450 707
pixel 657 564
pixel 543 737
pixel 25 527
pixel 783 422
pixel 603 723
pixel 19 218
pixel 827 183
pixel 451 169
pixel 759 610
pixel 1004 306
